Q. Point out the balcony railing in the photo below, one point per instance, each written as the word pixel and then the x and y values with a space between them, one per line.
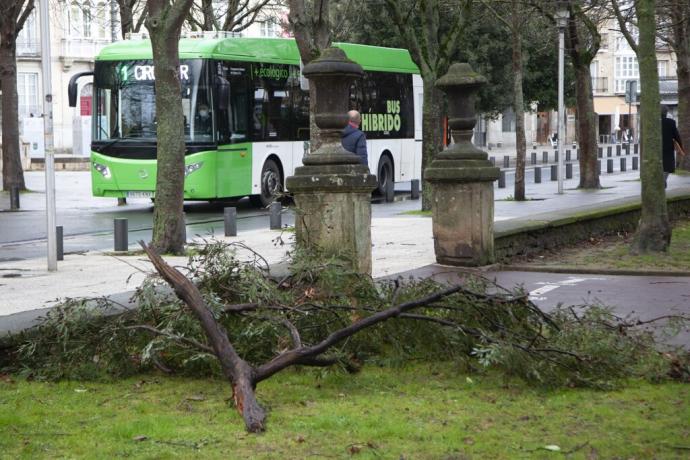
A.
pixel 600 84
pixel 82 48
pixel 28 48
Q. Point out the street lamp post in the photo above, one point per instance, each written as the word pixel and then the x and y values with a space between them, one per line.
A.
pixel 562 15
pixel 48 132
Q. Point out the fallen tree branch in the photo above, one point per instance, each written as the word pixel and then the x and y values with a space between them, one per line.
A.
pixel 175 337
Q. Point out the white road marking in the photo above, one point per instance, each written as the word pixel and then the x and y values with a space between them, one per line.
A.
pixel 537 294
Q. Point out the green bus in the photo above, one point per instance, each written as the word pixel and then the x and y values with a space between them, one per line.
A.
pixel 246 116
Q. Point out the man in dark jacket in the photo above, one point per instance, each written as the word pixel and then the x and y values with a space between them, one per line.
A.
pixel 353 139
pixel 669 133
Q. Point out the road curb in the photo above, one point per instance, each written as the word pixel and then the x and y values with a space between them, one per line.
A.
pixel 591 270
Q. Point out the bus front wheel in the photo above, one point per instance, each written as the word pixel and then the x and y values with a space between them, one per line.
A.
pixel 271 184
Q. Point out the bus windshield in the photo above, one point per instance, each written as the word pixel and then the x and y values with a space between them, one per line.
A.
pixel 125 101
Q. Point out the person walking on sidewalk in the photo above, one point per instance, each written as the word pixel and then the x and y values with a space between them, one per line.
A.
pixel 353 139
pixel 669 134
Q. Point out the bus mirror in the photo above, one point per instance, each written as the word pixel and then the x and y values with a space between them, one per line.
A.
pixel 72 87
pixel 223 92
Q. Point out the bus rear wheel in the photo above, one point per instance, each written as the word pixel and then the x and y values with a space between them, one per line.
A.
pixel 271 185
pixel 384 177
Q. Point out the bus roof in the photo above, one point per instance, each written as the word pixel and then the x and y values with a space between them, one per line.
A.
pixel 272 50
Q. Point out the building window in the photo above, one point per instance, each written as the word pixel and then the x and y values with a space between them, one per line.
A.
pixel 604 41
pixel 508 121
pixel 663 69
pixel 269 28
pixel 102 20
pixel 27 40
pixel 626 69
pixel 27 94
pixel 79 20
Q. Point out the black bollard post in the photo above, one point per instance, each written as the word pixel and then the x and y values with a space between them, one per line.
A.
pixel 545 157
pixel 636 164
pixel 537 175
pixel 627 149
pixel 502 179
pixel 623 165
pixel 14 198
pixel 555 156
pixel 568 170
pixel 414 189
pixel 184 228
pixel 554 172
pixel 618 150
pixel 59 243
pixel 636 148
pixel 567 155
pixel 121 243
pixel 275 216
pixel 230 220
pixel 534 158
pixel 600 152
pixel 609 165
pixel 506 161
pixel 598 167
pixel 609 151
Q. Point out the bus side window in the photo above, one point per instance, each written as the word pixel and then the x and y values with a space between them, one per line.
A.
pixel 233 111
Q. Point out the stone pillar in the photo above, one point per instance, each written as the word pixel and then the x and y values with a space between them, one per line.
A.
pixel 332 190
pixel 462 180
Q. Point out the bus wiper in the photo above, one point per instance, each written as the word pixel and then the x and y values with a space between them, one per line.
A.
pixel 108 144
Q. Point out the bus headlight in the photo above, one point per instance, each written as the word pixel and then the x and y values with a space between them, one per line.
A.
pixel 190 168
pixel 103 169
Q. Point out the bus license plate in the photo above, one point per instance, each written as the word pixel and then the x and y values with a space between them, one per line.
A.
pixel 139 194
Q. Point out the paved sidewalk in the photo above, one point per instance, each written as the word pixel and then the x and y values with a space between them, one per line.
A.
pixel 401 242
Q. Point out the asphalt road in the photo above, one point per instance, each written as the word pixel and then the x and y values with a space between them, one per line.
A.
pixel 643 297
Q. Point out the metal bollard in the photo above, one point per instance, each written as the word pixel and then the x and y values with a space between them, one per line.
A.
pixel 545 157
pixel 506 161
pixel 502 179
pixel 537 175
pixel 534 158
pixel 623 166
pixel 636 148
pixel 414 189
pixel 627 149
pixel 636 164
pixel 567 155
pixel 121 243
pixel 600 152
pixel 230 221
pixel 14 198
pixel 568 170
pixel 554 172
pixel 618 150
pixel 598 167
pixel 555 156
pixel 59 243
pixel 609 151
pixel 609 165
pixel 275 219
pixel 493 161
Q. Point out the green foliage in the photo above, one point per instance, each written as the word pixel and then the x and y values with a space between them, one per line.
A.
pixel 481 325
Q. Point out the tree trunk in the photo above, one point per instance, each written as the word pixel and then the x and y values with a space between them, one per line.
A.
pixel 126 18
pixel 519 109
pixel 207 11
pixel 654 232
pixel 586 128
pixel 432 132
pixel 683 71
pixel 168 220
pixel 12 173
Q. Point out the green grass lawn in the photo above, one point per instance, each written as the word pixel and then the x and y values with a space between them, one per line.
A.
pixel 420 412
pixel 615 253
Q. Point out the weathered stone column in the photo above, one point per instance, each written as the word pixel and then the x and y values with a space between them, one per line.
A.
pixel 333 189
pixel 462 180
